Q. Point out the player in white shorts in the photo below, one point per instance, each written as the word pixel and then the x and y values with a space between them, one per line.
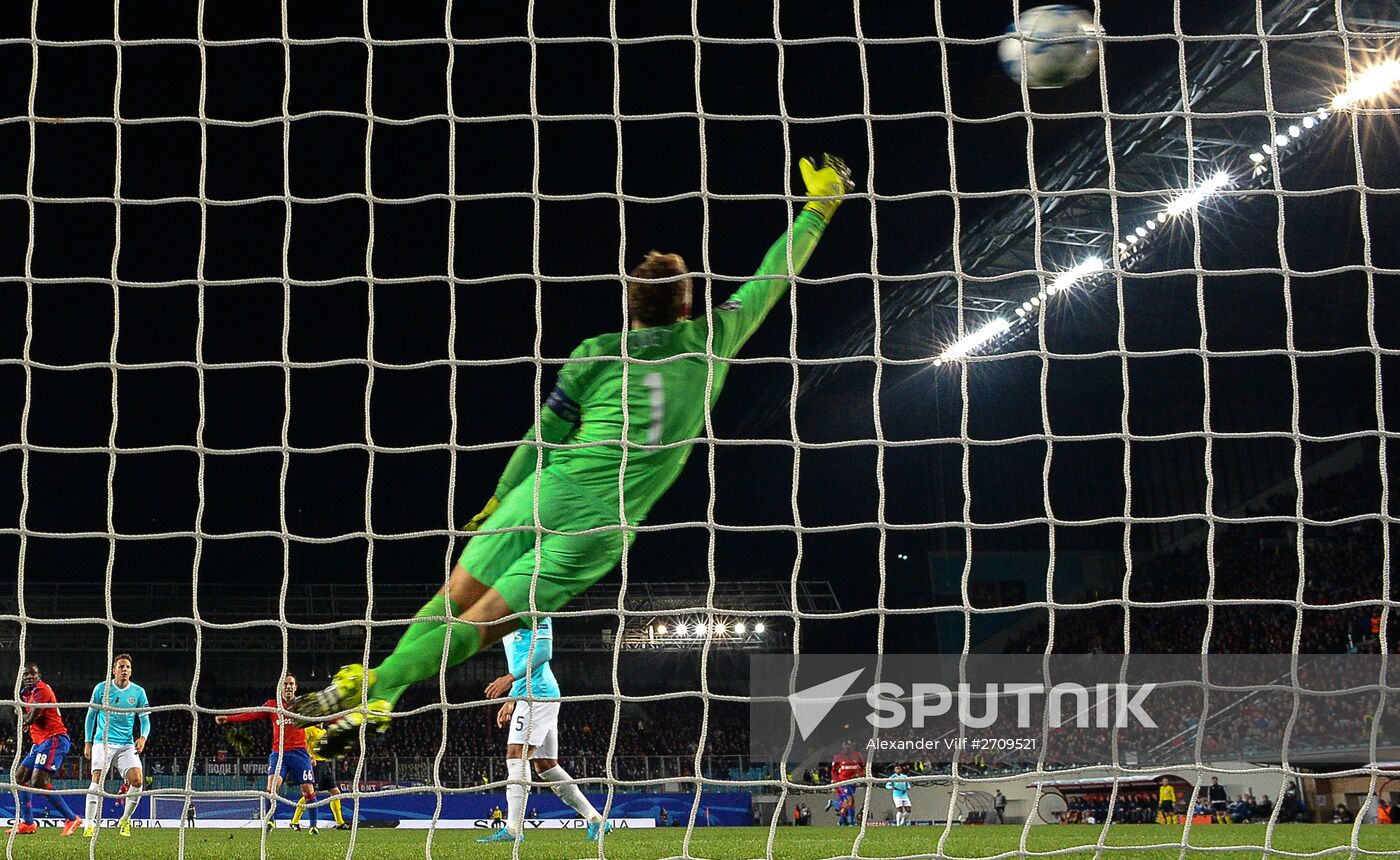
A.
pixel 112 740
pixel 532 713
pixel 534 725
pixel 899 793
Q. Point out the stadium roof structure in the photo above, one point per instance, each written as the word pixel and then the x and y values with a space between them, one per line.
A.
pixel 157 615
pixel 1018 248
pixel 691 596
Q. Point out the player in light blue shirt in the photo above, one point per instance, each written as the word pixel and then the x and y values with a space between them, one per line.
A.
pixel 532 712
pixel 117 728
pixel 899 791
pixel 540 683
pixel 114 735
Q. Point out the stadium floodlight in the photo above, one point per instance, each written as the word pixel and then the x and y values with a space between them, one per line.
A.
pixel 679 629
pixel 697 630
pixel 967 344
pixel 1073 275
pixel 661 628
pixel 1375 81
pixel 1190 199
pixel 739 628
pixel 759 627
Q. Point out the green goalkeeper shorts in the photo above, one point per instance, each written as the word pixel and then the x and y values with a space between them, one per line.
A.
pixel 568 563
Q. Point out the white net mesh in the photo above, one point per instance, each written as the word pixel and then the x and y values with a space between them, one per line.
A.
pixel 277 283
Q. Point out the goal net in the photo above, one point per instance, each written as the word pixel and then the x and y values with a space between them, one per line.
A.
pixel 1094 371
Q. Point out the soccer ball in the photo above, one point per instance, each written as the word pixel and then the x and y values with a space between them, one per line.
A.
pixel 1050 63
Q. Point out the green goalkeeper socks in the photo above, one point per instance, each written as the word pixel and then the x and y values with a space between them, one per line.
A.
pixel 419 652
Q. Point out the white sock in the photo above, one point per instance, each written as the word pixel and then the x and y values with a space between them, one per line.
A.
pixel 570 794
pixel 94 803
pixel 133 796
pixel 516 792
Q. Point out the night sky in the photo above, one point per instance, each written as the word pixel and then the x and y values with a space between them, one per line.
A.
pixel 308 320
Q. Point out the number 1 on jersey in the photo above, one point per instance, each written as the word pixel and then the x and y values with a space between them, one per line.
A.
pixel 657 392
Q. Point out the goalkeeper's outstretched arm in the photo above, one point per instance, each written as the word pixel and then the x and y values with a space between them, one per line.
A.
pixel 738 318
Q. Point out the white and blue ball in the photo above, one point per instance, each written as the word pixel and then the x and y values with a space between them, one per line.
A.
pixel 1060 45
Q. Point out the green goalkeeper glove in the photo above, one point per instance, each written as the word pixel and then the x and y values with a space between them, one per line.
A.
pixel 831 180
pixel 239 739
pixel 475 522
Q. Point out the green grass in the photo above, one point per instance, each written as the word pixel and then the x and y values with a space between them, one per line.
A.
pixel 738 843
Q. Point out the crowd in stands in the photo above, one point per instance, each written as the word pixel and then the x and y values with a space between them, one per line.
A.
pixel 665 731
pixel 1252 562
pixel 1260 561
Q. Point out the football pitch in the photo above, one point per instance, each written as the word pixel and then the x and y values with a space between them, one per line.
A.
pixel 1160 842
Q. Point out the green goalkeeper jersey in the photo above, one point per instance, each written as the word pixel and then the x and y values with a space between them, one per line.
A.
pixel 666 372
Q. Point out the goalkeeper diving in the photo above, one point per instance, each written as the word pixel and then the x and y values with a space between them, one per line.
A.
pixel 571 459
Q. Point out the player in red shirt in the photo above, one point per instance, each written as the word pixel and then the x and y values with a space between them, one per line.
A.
pixel 849 763
pixel 289 757
pixel 51 744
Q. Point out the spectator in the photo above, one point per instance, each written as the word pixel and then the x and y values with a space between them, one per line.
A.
pixel 1265 809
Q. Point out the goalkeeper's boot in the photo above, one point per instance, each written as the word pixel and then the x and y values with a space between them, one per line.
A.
pixel 503 835
pixel 90 830
pixel 124 829
pixel 314 832
pixel 345 692
pixel 604 825
pixel 343 735
pixel 270 823
pixel 294 826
